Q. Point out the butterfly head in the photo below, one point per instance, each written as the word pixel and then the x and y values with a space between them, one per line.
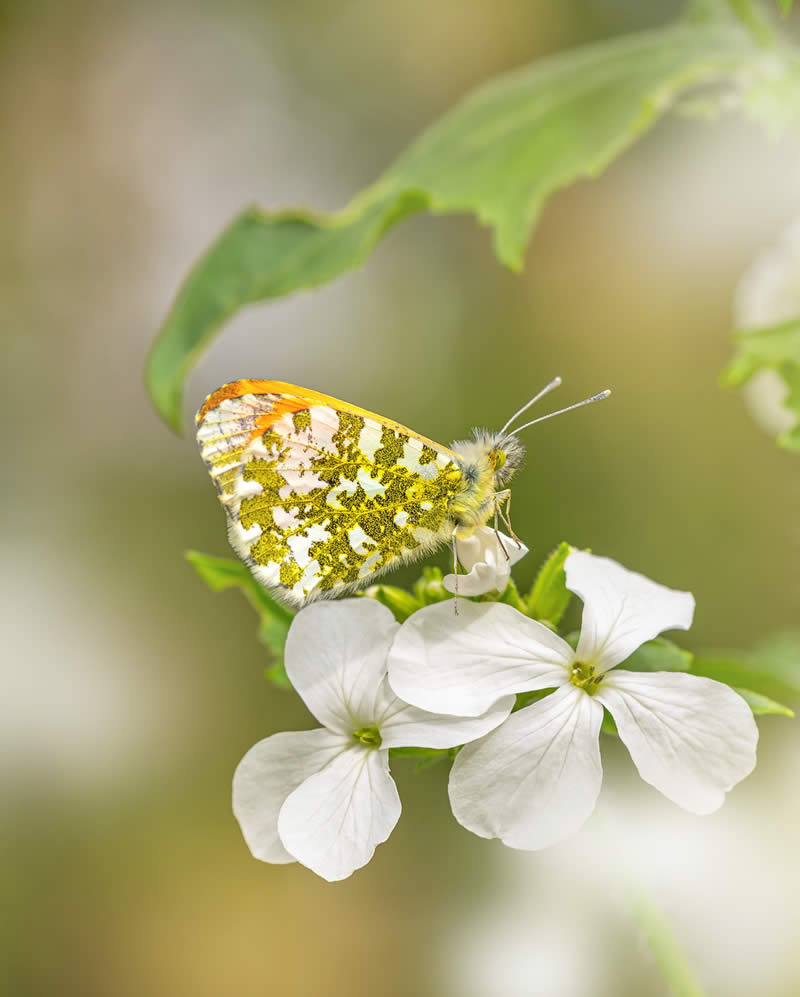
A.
pixel 504 453
pixel 490 459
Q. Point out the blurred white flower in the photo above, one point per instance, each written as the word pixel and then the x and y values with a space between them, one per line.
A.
pixel 325 797
pixel 768 294
pixel 536 778
pixel 488 557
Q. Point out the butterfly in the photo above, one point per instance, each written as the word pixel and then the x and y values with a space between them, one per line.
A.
pixel 321 496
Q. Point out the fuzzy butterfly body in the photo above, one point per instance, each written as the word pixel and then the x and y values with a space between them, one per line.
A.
pixel 322 496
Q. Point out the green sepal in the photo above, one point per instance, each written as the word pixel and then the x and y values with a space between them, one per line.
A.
pixel 221 573
pixel 549 597
pixel 658 655
pixel 511 597
pixel 429 588
pixel 401 603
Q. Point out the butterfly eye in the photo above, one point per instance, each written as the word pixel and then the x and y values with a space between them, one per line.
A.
pixel 498 459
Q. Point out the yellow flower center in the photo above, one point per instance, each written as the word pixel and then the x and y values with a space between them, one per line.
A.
pixel 583 676
pixel 370 737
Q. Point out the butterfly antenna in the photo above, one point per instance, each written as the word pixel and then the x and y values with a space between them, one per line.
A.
pixel 569 408
pixel 545 390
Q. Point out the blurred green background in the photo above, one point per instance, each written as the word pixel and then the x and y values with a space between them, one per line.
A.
pixel 131 133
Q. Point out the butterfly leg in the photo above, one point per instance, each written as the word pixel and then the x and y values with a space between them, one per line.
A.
pixel 455 570
pixel 506 514
pixel 496 530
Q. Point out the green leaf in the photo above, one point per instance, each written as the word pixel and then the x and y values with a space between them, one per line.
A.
pixel 276 673
pixel 498 154
pixel 609 726
pixel 526 698
pixel 763 705
pixel 738 672
pixel 779 654
pixel 549 597
pixel 572 638
pixel 770 346
pixel 221 573
pixel 425 756
pixel 658 655
pixel 752 17
pixel 775 347
pixel 791 376
pixel 258 257
pixel 771 669
pixel 664 949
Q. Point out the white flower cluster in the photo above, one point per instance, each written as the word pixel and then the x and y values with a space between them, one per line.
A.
pixel 325 797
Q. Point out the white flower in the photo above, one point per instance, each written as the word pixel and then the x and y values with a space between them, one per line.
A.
pixel 325 797
pixel 488 563
pixel 535 779
pixel 768 294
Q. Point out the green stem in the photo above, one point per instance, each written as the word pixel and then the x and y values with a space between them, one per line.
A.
pixel 667 955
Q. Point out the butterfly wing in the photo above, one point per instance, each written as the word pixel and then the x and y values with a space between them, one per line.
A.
pixel 320 495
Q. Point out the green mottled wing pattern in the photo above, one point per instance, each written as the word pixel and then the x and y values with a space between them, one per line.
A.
pixel 323 499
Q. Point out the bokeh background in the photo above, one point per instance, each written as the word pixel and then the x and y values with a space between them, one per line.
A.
pixel 131 133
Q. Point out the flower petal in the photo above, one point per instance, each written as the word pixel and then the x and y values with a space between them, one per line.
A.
pixel 690 737
pixel 268 773
pixel 481 578
pixel 488 563
pixel 534 780
pixel 463 664
pixel 336 659
pixel 621 609
pixel 333 822
pixel 404 726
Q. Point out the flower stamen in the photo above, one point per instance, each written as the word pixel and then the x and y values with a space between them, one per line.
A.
pixel 584 677
pixel 370 737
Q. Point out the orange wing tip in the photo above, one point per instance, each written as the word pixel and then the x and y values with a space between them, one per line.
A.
pixel 283 405
pixel 235 389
